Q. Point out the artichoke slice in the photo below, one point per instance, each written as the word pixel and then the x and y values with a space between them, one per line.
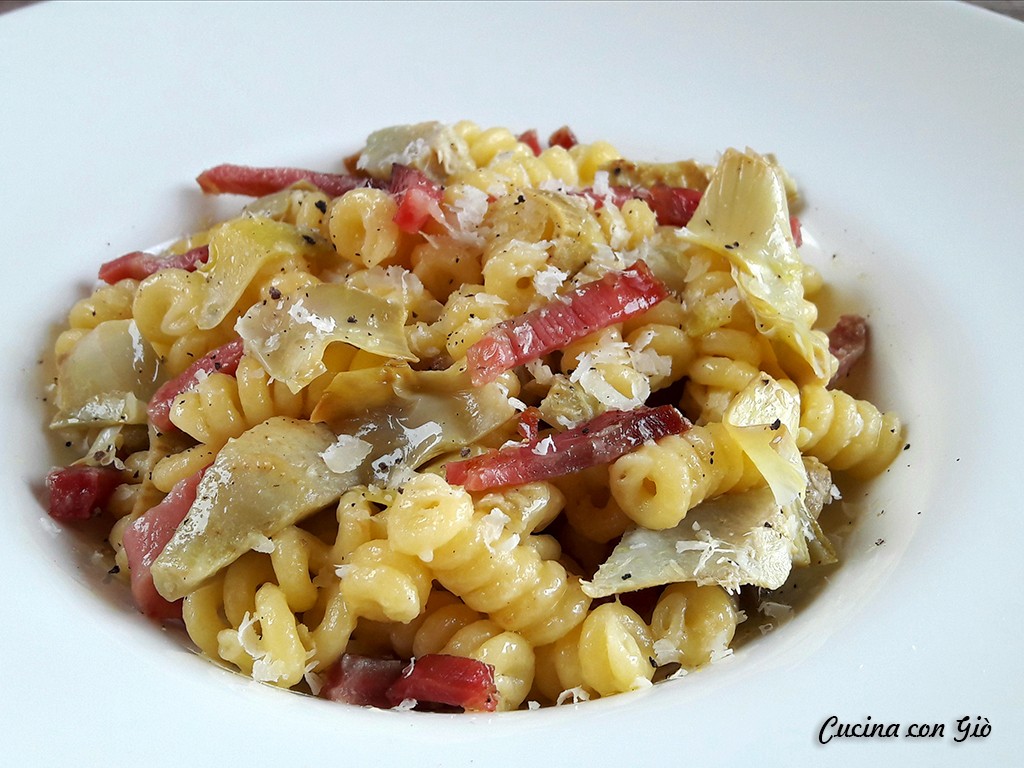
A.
pixel 289 335
pixel 732 540
pixel 107 379
pixel 744 216
pixel 271 477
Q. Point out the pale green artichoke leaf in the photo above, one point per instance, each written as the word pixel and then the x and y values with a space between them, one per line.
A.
pixel 239 250
pixel 290 335
pixel 269 478
pixel 743 215
pixel 731 540
pixel 107 378
pixel 432 147
pixel 414 415
pixel 763 419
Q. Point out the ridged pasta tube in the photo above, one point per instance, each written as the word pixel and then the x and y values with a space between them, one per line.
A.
pixel 657 484
pixel 845 433
pixel 474 556
pixel 611 652
pixel 267 615
pixel 692 623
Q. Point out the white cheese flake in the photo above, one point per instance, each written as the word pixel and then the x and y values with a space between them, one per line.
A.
pixel 540 372
pixel 718 655
pixel 470 206
pixel 572 695
pixel 300 314
pixel 666 652
pixel 518 404
pixel 492 526
pixel 342 571
pixel 49 526
pixel 548 281
pixel 346 454
pixel 544 447
pixel 263 544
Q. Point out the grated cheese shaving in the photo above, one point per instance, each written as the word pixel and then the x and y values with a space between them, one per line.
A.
pixel 540 372
pixel 492 527
pixel 544 447
pixel 265 669
pixel 263 544
pixel 647 360
pixel 346 454
pixel 666 652
pixel 300 315
pixel 470 206
pixel 49 526
pixel 576 694
pixel 342 571
pixel 547 281
pixel 718 655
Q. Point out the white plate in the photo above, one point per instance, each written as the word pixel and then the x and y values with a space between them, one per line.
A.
pixel 903 123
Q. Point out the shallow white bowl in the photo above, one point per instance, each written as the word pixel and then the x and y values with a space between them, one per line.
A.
pixel 902 123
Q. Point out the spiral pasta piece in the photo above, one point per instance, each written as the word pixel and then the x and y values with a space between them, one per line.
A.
pixel 692 624
pixel 107 302
pixel 611 652
pixel 657 484
pixel 362 227
pixel 473 555
pixel 627 227
pixel 275 616
pixel 847 434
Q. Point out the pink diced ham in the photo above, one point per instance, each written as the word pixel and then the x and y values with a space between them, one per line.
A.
pixel 138 265
pixel 612 299
pixel 672 206
pixel 256 182
pixel 79 492
pixel 416 196
pixel 564 138
pixel 361 680
pixel 530 139
pixel 452 680
pixel 146 538
pixel 847 341
pixel 602 440
pixel 797 230
pixel 221 360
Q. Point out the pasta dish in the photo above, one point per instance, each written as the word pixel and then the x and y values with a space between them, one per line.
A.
pixel 482 423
